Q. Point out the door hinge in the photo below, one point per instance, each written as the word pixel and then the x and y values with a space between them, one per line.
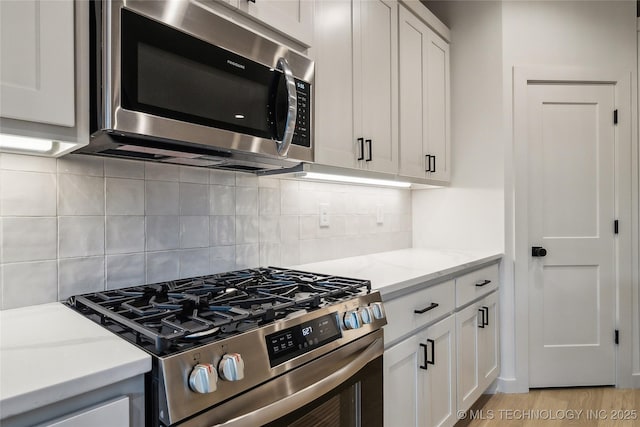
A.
pixel 615 117
pixel 615 227
pixel 616 338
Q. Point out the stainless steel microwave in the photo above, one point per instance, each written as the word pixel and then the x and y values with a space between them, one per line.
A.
pixel 174 82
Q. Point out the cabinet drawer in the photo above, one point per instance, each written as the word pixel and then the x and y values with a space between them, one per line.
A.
pixel 476 284
pixel 433 302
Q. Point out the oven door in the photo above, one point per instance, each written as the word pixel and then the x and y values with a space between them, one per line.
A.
pixel 340 389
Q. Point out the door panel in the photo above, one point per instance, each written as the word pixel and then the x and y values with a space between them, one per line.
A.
pixel 571 213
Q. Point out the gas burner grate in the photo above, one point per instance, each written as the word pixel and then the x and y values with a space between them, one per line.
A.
pixel 168 317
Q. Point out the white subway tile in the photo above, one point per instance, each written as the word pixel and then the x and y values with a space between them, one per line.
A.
pixel 27 193
pixel 289 228
pixel 270 255
pixel 29 283
pixel 162 232
pixel 268 182
pixel 194 231
pixel 80 195
pixel 269 229
pixel 223 230
pixel 125 270
pixel 309 225
pixel 194 199
pixel 124 196
pixel 221 177
pixel 122 168
pixel 80 276
pixel 80 236
pixel 161 171
pixel 247 229
pixel 289 200
pixel 290 253
pixel 79 164
pixel 18 162
pixel 222 258
pixel 194 262
pixel 222 200
pixel 125 234
pixel 269 201
pixel 162 198
pixel 246 180
pixel 162 266
pixel 246 201
pixel 29 239
pixel 247 256
pixel 194 175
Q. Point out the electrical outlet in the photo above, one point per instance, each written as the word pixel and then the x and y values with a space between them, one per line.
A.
pixel 324 214
pixel 379 215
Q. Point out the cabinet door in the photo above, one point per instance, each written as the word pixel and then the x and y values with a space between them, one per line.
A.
pixel 413 40
pixel 37 61
pixel 467 334
pixel 376 78
pixel 439 379
pixel 334 58
pixel 489 341
pixel 438 108
pixel 401 384
pixel 293 18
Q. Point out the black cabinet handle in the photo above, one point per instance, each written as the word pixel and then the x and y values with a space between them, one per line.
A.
pixel 426 360
pixel 434 164
pixel 483 283
pixel 368 159
pixel 361 142
pixel 427 162
pixel 424 310
pixel 481 324
pixel 486 316
pixel 433 352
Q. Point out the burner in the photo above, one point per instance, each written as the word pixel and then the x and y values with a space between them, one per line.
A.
pixel 171 316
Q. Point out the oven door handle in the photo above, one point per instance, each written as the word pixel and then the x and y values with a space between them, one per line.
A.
pixel 292 109
pixel 308 394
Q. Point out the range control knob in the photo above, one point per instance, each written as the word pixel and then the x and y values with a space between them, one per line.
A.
pixel 366 314
pixel 231 367
pixel 351 320
pixel 203 378
pixel 378 312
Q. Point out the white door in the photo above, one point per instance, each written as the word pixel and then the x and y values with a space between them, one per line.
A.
pixel 571 213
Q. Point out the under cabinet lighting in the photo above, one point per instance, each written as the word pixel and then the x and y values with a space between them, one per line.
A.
pixel 35 146
pixel 354 180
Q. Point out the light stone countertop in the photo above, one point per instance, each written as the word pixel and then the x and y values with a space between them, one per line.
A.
pixel 49 353
pixel 397 272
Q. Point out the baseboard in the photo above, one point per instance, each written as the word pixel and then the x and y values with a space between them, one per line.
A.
pixel 510 385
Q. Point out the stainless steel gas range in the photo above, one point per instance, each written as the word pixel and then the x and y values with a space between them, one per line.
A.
pixel 265 346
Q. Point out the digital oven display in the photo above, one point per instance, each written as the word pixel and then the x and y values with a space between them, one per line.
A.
pixel 292 342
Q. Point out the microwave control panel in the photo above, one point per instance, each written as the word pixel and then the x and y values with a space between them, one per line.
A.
pixel 302 135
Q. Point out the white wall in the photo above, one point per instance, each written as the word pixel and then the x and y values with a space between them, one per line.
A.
pixel 82 224
pixel 469 214
pixel 488 40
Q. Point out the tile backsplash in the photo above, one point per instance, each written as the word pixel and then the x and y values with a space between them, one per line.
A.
pixel 79 224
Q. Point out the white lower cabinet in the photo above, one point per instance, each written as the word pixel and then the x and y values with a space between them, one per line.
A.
pixel 441 349
pixel 477 347
pixel 420 378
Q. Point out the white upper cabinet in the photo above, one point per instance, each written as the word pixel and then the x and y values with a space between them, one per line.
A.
pixel 44 76
pixel 293 18
pixel 355 47
pixel 424 101
pixel 37 68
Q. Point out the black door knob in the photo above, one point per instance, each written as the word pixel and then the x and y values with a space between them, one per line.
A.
pixel 538 251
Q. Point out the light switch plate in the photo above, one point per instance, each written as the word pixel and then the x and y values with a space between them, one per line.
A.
pixel 324 214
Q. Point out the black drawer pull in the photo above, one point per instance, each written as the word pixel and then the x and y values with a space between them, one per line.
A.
pixel 361 142
pixel 483 283
pixel 424 310
pixel 426 360
pixel 433 352
pixel 486 316
pixel 482 323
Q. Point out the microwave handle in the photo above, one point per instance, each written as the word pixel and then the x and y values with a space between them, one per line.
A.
pixel 292 113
